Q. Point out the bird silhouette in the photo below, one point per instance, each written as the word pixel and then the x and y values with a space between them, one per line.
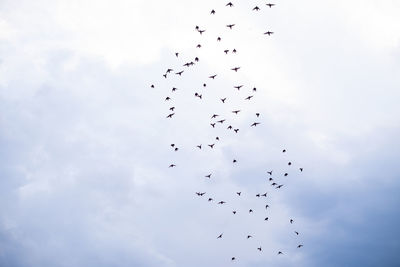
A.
pixel 254 89
pixel 176 54
pixel 210 199
pixel 199 146
pixel 259 248
pixel 221 121
pixel 213 125
pixel 172 108
pixel 236 111
pixel 223 100
pixel 219 39
pixel 234 160
pixel 220 236
pixel 299 246
pixel 198 46
pixel 291 220
pixel 172 165
pixel 256 8
pixel 226 51
pixel 169 70
pixel 270 173
pixel 280 252
pixel 249 236
pixel 249 97
pixel 235 69
pixel 214 116
pixel 233 258
pixel 179 73
pixel 152 86
pixel 234 51
pixel 230 26
pixel 236 130
pixel 208 176
pixel 279 186
pixel 170 115
pixel 266 219
pixel 289 163
pixel 301 169
pixel 221 202
pixel 167 98
pixel 234 211
pixel 229 127
pixel 283 151
pixel 229 4
pixel 264 195
pixel 238 87
pixel 212 12
pixel 258 115
pixel 165 76
pixel 250 210
pixel 266 207
pixel 297 233
pixel 174 89
pixel 269 33
pixel 213 76
pixel 238 193
pixel 270 5
pixel 212 145
pixel 255 124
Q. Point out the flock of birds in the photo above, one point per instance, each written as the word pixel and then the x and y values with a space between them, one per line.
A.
pixel 217 120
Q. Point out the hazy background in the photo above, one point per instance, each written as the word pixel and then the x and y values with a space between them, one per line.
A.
pixel 84 143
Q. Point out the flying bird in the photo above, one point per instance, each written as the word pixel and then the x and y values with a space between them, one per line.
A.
pixel 208 176
pixel 229 127
pixel 270 5
pixel 165 75
pixel 213 125
pixel 212 145
pixel 235 69
pixel 250 210
pixel 236 130
pixel 214 116
pixel 301 169
pixel 226 51
pixel 221 202
pixel 170 115
pixel 219 39
pixel 201 31
pixel 179 73
pixel 259 248
pixel 249 236
pixel 199 146
pixel 280 253
pixel 297 233
pixel 234 51
pixel 152 86
pixel 238 193
pixel 291 220
pixel 249 97
pixel 198 46
pixel 212 12
pixel 229 4
pixel 256 8
pixel 258 115
pixel 269 33
pixel 172 165
pixel 176 54
pixel 270 173
pixel 234 211
pixel 221 121
pixel 255 124
pixel 213 76
pixel 238 87
pixel 172 108
pixel 299 246
pixel 167 98
pixel 223 100
pixel 169 70
pixel 220 236
pixel 230 26
pixel 236 111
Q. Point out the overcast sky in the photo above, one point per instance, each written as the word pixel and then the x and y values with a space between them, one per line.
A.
pixel 85 143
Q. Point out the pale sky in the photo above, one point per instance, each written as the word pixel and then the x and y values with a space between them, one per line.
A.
pixel 85 143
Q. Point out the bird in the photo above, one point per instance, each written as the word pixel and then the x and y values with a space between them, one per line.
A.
pixel 198 46
pixel 235 69
pixel 172 145
pixel 179 73
pixel 212 145
pixel 234 161
pixel 214 116
pixel 170 115
pixel 289 163
pixel 266 206
pixel 236 130
pixel 174 89
pixel 266 219
pixel 234 51
pixel 196 59
pixel 229 127
pixel 249 97
pixel 172 108
pixel 236 111
pixel 233 258
pixel 238 193
pixel 226 51
pixel 167 98
pixel 297 233
pixel 249 236
pixel 210 199
pixel 291 220
pixel 270 173
pixel 256 8
pixel 220 236
pixel 269 33
pixel 208 176
pixel 264 195
pixel 176 149
pixel 152 86
pixel 299 246
pixel 270 179
pixel 280 253
pixel 204 85
pixel 199 146
pixel 255 124
pixel 200 194
pixel 254 89
pixel 165 76
pixel 279 186
pixel 172 165
pixel 219 39
pixel 212 12
pixel 223 100
pixel 213 76
pixel 176 54
pixel 213 125
pixel 259 248
pixel 283 151
pixel 286 174
pixel 217 138
pixel 230 26
pixel 238 87
pixel 234 211
pixel 221 202
pixel 270 5
pixel 273 184
pixel 221 121
pixel 301 169
pixel 257 195
pixel 169 70
pixel 258 115
pixel 229 4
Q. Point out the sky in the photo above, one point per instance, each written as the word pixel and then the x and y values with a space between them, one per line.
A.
pixel 85 142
